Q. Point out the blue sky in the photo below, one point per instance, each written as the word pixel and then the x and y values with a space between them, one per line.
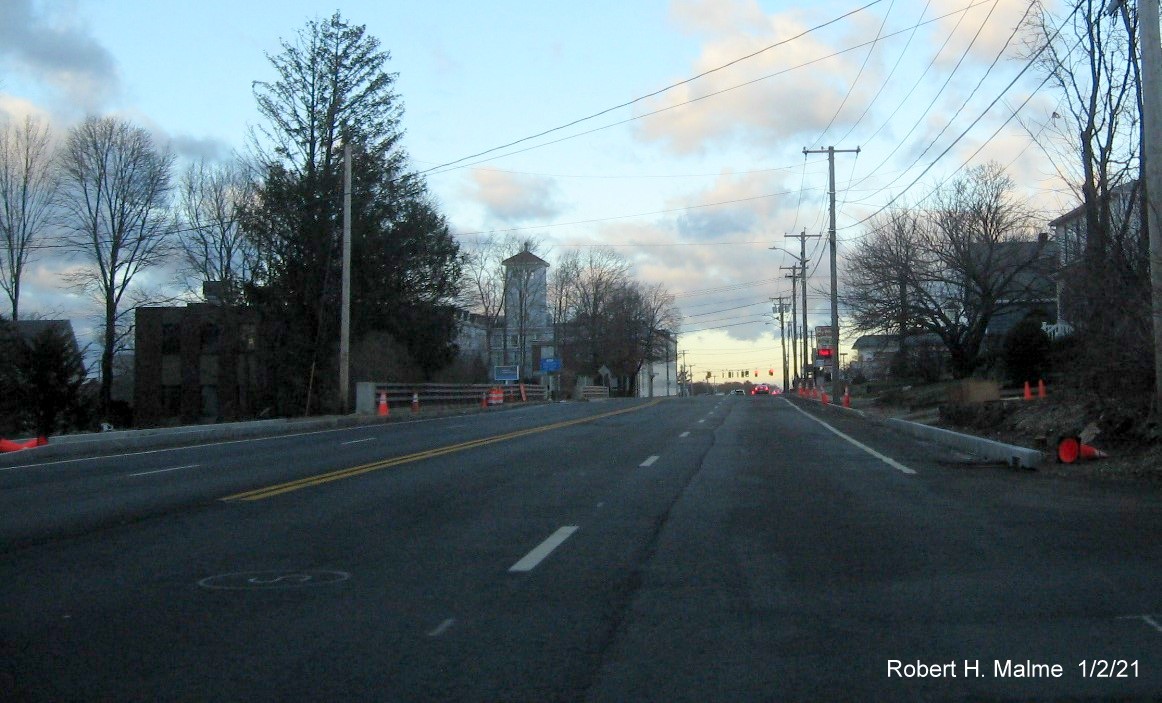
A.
pixel 694 195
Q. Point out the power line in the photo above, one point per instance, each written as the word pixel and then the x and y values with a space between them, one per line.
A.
pixel 956 141
pixel 855 81
pixel 932 103
pixel 623 217
pixel 454 165
pixel 656 92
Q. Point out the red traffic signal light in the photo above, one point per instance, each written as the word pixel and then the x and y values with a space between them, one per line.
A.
pixel 770 372
pixel 825 353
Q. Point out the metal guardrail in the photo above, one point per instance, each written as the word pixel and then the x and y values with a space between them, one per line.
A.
pixel 594 392
pixel 401 395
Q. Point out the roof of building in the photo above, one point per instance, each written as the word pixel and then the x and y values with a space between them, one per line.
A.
pixel 875 341
pixel 525 258
pixel 1122 190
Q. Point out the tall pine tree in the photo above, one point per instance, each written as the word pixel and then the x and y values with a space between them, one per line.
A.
pixel 332 88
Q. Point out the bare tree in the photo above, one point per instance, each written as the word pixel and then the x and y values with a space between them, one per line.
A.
pixel 115 185
pixel 658 318
pixel 563 281
pixel 880 275
pixel 952 270
pixel 483 281
pixel 1096 142
pixel 213 245
pixel 602 271
pixel 28 186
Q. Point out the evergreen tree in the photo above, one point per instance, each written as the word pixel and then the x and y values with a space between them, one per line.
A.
pixel 332 89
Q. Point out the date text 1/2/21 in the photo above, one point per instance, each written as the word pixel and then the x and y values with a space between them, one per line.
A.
pixel 1109 669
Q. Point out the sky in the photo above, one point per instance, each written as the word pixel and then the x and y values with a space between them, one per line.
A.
pixel 688 121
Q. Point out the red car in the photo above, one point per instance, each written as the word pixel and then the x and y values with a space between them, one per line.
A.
pixel 761 389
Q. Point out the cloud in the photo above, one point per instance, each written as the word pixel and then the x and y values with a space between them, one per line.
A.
pixel 752 201
pixel 47 41
pixel 987 27
pixel 715 16
pixel 195 148
pixel 793 89
pixel 513 197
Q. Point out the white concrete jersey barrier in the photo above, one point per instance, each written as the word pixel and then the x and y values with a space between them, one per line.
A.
pixel 984 448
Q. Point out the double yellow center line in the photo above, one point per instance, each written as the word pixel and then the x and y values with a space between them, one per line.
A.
pixel 319 479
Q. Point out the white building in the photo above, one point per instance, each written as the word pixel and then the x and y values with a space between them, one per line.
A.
pixel 525 333
pixel 659 377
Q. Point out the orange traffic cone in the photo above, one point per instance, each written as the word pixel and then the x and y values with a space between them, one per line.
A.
pixel 1041 388
pixel 415 402
pixel 823 397
pixel 523 396
pixel 846 397
pixel 484 400
pixel 1070 449
pixel 383 409
pixel 1028 391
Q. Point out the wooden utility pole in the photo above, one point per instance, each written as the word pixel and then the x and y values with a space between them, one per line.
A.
pixel 794 276
pixel 830 151
pixel 781 308
pixel 345 313
pixel 1151 46
pixel 803 237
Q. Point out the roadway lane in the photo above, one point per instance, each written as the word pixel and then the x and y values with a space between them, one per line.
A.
pixel 697 549
pixel 806 566
pixel 40 501
pixel 150 610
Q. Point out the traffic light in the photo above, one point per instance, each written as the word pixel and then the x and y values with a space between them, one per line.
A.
pixel 825 353
pixel 770 372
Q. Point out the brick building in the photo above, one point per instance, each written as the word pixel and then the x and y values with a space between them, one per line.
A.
pixel 195 364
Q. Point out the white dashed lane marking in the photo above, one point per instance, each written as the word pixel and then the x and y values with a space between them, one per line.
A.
pixel 544 549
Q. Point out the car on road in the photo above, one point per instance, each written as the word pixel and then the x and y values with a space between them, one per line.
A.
pixel 738 391
pixel 761 389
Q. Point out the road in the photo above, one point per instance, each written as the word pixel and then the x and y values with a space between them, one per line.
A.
pixel 693 549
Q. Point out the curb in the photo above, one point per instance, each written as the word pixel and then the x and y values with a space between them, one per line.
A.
pixel 1011 454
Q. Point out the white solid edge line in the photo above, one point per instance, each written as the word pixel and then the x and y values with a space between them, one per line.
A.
pixel 162 471
pixel 684 434
pixel 887 460
pixel 544 549
pixel 650 461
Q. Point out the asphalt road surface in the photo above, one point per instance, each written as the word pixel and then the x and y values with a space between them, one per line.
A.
pixel 693 549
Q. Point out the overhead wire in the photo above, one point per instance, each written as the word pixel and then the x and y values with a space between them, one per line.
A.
pixel 1029 64
pixel 948 79
pixel 887 79
pixel 456 165
pixel 971 94
pixel 658 92
pixel 855 81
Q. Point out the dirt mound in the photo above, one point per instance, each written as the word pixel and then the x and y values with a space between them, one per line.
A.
pixel 1128 437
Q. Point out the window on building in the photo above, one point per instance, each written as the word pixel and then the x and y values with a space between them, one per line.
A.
pixel 171 341
pixel 171 401
pixel 208 336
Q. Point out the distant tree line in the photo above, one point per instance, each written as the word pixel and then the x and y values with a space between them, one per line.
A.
pixel 600 315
